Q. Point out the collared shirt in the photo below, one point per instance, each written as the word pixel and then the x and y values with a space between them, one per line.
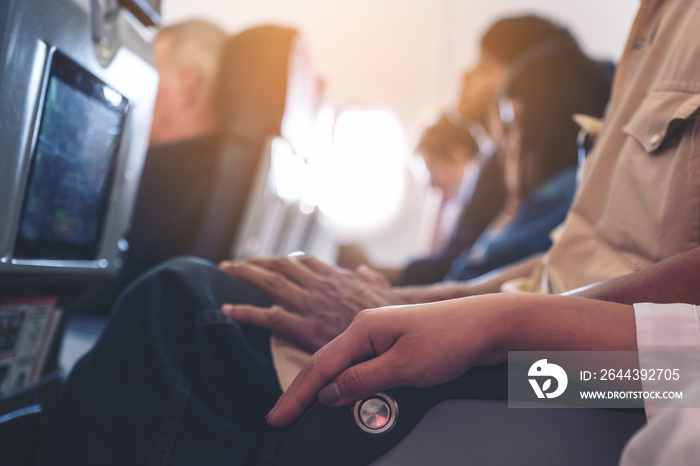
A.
pixel 639 201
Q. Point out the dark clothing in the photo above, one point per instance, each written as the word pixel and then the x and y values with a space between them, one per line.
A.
pixel 528 232
pixel 172 380
pixel 174 191
pixel 480 209
pixel 173 194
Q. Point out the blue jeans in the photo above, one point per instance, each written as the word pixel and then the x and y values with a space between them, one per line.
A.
pixel 172 380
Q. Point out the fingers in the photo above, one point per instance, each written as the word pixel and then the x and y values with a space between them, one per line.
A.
pixel 417 345
pixel 317 265
pixel 282 290
pixel 275 319
pixel 291 268
pixel 365 379
pixel 371 276
pixel 332 359
pixel 350 256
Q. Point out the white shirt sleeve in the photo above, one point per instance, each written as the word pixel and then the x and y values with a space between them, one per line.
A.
pixel 668 337
pixel 667 327
pixel 671 438
pixel 671 435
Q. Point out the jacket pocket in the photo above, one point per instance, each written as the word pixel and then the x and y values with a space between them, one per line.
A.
pixel 661 114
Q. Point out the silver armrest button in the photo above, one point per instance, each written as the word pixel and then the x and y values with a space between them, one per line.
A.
pixel 376 414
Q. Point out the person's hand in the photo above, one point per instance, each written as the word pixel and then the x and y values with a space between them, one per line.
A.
pixel 351 256
pixel 372 276
pixel 315 302
pixel 416 346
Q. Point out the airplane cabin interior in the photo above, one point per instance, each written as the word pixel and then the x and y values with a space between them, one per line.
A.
pixel 301 164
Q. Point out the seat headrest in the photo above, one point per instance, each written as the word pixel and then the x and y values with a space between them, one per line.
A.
pixel 259 81
pixel 253 81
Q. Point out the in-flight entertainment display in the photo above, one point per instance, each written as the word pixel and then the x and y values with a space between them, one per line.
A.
pixel 72 166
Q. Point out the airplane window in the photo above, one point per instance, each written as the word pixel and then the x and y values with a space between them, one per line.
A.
pixel 364 175
pixel 290 173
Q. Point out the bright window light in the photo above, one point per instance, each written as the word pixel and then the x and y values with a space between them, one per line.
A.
pixel 290 173
pixel 364 174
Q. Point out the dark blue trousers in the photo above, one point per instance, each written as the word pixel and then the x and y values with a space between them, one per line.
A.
pixel 172 380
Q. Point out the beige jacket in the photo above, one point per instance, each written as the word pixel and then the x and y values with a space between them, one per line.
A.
pixel 639 201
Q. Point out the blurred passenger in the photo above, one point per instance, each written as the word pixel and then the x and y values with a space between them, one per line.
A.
pixel 546 86
pixel 453 159
pixel 182 157
pixel 501 45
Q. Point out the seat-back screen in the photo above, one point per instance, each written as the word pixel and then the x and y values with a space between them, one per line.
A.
pixel 72 166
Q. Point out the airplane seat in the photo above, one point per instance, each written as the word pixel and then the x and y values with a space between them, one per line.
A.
pixel 268 93
pixel 464 422
pixel 609 67
pixel 77 88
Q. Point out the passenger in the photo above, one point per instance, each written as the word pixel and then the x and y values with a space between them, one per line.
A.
pixel 182 157
pixel 452 157
pixel 547 85
pixel 183 154
pixel 172 379
pixel 501 45
pixel 453 167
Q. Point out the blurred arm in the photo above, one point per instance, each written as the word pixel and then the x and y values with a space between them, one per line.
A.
pixel 673 280
pixel 488 283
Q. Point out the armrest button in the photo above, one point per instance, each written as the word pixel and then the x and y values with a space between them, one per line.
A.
pixel 376 414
